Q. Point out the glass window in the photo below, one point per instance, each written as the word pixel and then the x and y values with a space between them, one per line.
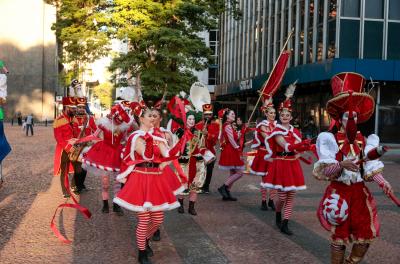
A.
pixel 212 76
pixel 349 38
pixel 394 9
pixel 374 8
pixel 213 35
pixel 332 9
pixel 351 8
pixel 393 51
pixel 331 39
pixel 373 39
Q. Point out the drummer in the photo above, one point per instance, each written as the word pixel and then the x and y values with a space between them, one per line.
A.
pixel 210 130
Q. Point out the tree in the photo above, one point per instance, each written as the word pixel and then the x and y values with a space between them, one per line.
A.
pixel 163 43
pixel 79 32
pixel 105 93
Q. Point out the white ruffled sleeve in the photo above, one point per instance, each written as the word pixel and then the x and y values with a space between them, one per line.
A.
pixel 327 148
pixel 372 167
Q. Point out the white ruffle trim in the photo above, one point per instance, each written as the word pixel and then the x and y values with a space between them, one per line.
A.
pixel 231 167
pixel 258 173
pixel 147 206
pixel 281 188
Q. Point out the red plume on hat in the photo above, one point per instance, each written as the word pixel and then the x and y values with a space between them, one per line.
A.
pixel 222 112
pixel 118 111
pixel 136 108
pixel 267 104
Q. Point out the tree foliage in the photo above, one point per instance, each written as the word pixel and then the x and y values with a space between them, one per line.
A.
pixel 162 37
pixel 104 92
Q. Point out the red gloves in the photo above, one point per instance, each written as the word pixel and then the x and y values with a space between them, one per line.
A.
pixel 300 147
pixel 148 152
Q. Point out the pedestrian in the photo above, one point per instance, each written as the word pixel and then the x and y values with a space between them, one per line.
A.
pixel 147 190
pixel 231 154
pixel 285 173
pixel 29 124
pixel 348 209
pixel 19 118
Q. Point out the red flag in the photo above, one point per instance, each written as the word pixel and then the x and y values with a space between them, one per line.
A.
pixel 276 76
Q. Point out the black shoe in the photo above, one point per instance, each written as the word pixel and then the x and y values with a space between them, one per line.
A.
pixel 143 258
pixel 149 251
pixel 223 191
pixel 271 204
pixel 285 228
pixel 230 197
pixel 191 210
pixel 264 206
pixel 156 235
pixel 105 209
pixel 117 209
pixel 278 219
pixel 205 190
pixel 181 209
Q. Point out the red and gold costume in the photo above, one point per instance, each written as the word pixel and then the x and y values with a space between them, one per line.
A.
pixel 348 209
pixel 65 127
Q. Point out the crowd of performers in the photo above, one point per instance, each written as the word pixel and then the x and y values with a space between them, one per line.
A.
pixel 153 169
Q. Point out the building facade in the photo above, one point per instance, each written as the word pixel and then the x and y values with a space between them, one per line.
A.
pixel 330 36
pixel 28 48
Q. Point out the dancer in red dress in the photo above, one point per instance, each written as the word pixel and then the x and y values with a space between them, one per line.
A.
pixel 147 190
pixel 348 209
pixel 104 157
pixel 260 164
pixel 285 173
pixel 231 154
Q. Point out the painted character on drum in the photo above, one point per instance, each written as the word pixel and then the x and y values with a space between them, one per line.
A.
pixel 192 163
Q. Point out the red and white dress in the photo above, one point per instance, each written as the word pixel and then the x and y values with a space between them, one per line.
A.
pixel 261 161
pixel 231 154
pixel 104 157
pixel 146 188
pixel 173 179
pixel 284 173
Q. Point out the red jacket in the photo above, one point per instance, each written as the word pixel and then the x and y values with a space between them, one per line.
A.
pixel 212 136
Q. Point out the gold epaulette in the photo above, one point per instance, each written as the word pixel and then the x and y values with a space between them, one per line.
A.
pixel 60 121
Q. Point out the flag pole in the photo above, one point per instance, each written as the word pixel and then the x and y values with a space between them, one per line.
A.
pixel 276 62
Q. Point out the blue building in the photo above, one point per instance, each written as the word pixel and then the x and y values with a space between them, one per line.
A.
pixel 330 36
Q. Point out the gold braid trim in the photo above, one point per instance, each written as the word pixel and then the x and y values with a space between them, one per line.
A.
pixel 369 176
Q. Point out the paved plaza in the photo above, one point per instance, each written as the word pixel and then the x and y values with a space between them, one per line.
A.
pixel 222 232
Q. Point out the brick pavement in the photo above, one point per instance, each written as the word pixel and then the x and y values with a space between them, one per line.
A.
pixel 223 232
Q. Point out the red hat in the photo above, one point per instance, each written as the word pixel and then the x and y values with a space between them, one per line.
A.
pixel 287 104
pixel 222 112
pixel 69 101
pixel 81 101
pixel 346 84
pixel 136 108
pixel 118 110
pixel 267 104
pixel 207 108
pixel 125 104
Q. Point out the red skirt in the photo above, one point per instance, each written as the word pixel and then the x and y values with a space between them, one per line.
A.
pixel 103 156
pixel 259 166
pixel 173 180
pixel 230 158
pixel 362 223
pixel 147 189
pixel 285 175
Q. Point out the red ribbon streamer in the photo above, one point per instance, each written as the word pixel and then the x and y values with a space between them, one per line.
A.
pixel 83 210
